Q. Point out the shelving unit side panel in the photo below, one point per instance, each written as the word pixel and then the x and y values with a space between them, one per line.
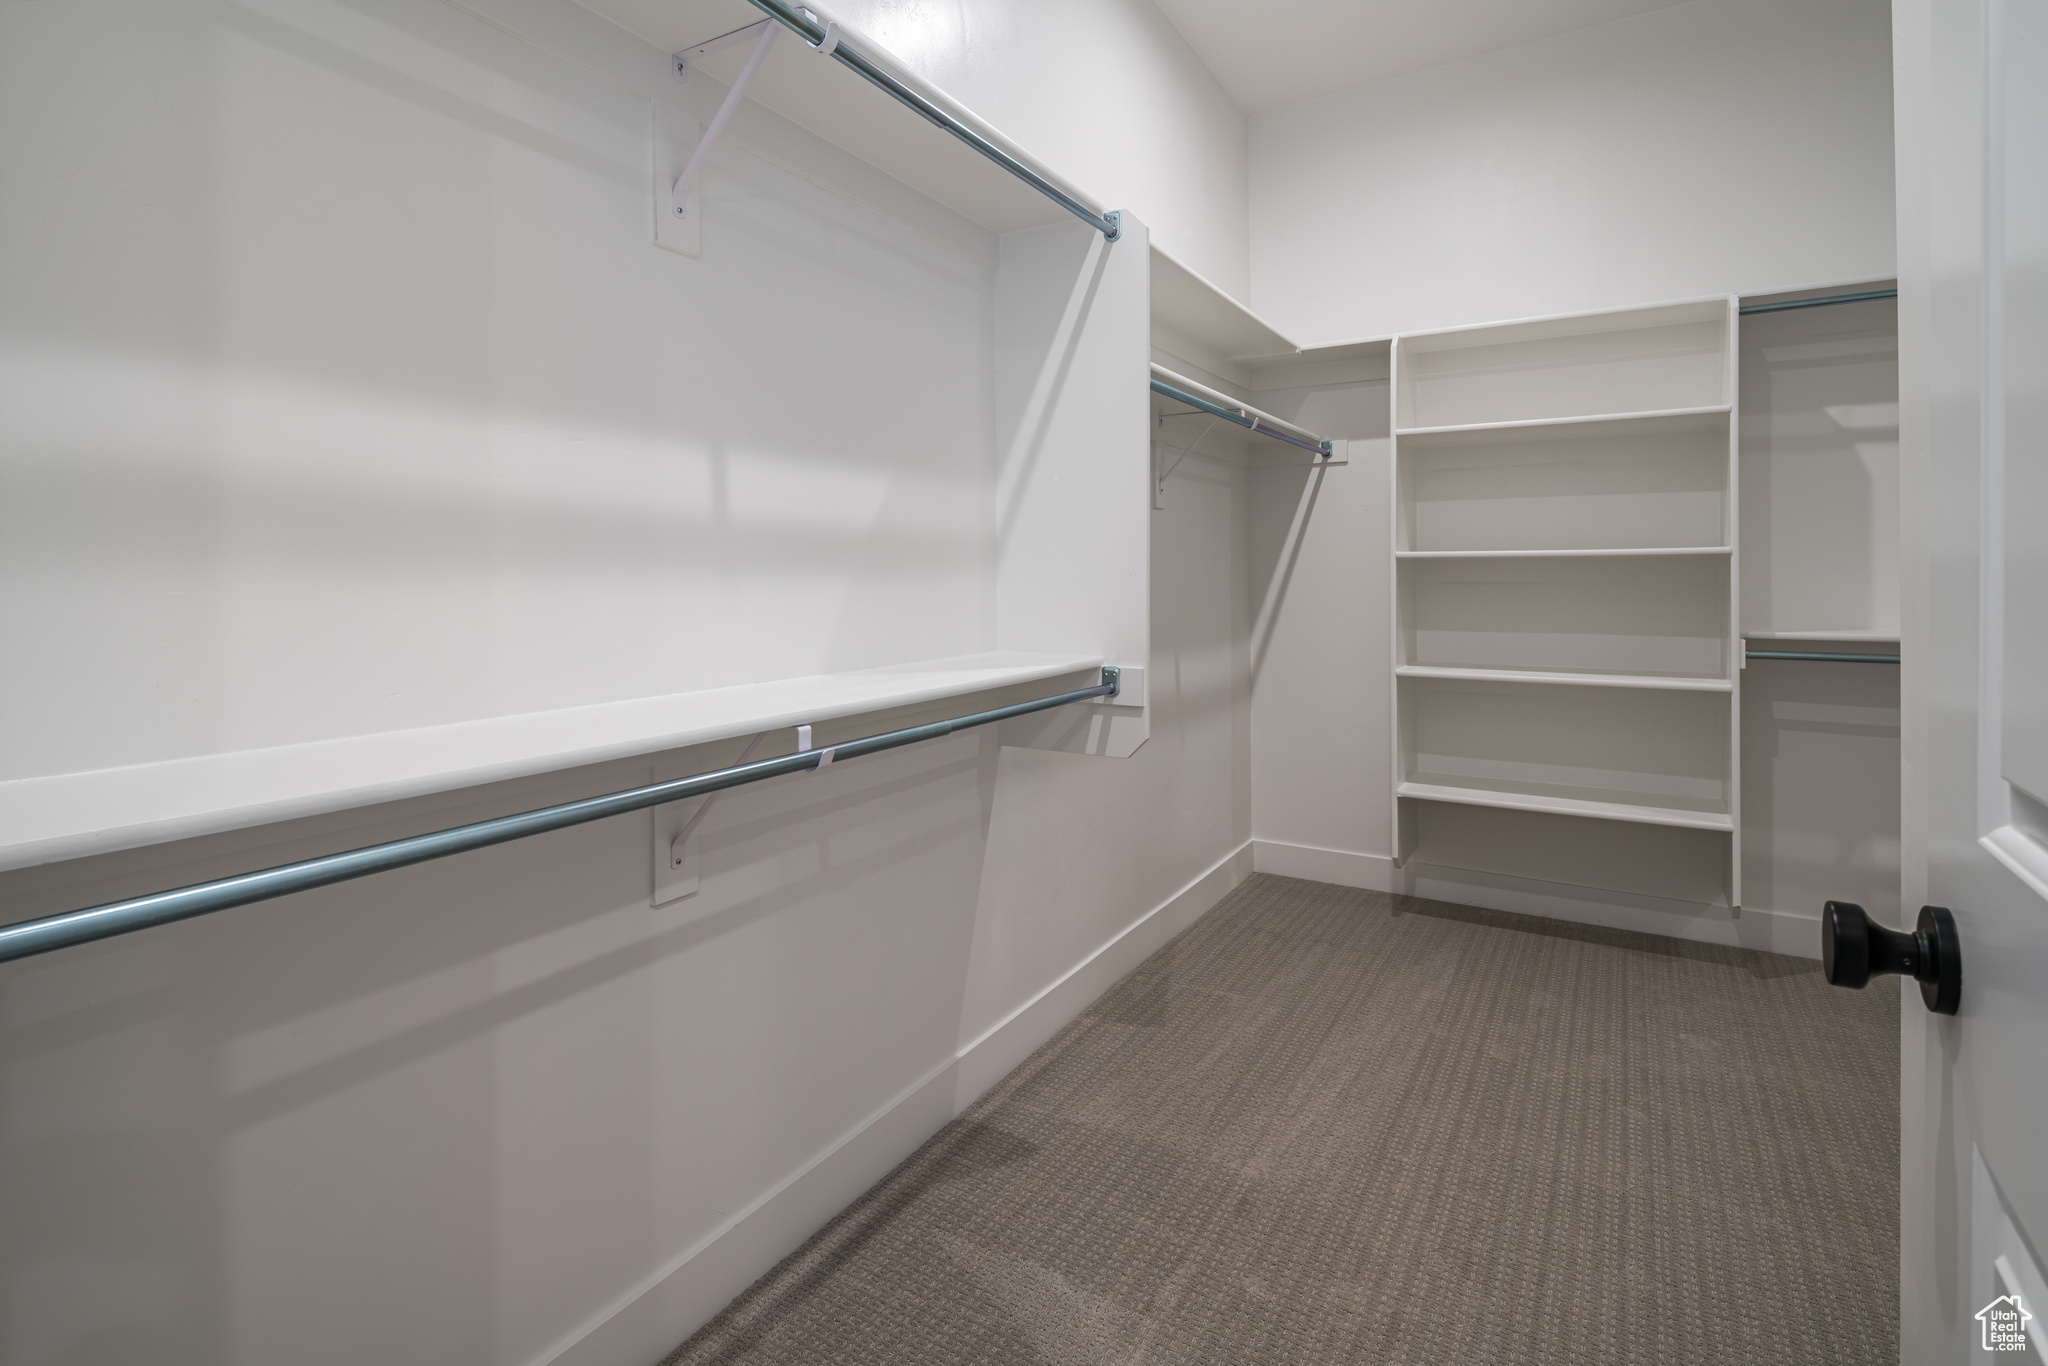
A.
pixel 1399 533
pixel 1073 475
pixel 1733 619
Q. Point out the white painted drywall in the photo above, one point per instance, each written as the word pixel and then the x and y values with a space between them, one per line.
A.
pixel 1714 147
pixel 1071 414
pixel 345 389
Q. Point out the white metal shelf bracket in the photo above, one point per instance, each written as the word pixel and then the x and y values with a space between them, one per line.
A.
pixel 682 839
pixel 768 29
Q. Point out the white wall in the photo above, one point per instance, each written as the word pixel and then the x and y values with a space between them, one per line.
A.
pixel 1713 147
pixel 347 391
pixel 1105 90
pixel 386 413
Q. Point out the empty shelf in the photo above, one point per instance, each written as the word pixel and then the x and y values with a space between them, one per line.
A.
pixel 72 815
pixel 1536 423
pixel 1538 554
pixel 1600 803
pixel 1590 680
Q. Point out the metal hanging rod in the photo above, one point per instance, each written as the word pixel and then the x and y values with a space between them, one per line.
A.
pixel 826 38
pixel 1820 656
pixel 1821 302
pixel 1181 389
pixel 64 930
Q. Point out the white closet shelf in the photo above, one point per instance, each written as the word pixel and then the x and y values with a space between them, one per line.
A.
pixel 1583 419
pixel 71 815
pixel 840 107
pixel 1599 803
pixel 1588 680
pixel 1190 304
pixel 1561 554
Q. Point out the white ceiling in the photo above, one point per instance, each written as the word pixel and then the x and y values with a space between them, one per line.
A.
pixel 1268 54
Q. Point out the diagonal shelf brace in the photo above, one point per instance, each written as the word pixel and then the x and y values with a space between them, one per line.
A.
pixel 680 201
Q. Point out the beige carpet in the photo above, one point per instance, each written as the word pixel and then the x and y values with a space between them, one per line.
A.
pixel 1335 1126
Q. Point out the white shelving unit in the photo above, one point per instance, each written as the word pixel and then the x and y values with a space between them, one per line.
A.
pixel 1565 569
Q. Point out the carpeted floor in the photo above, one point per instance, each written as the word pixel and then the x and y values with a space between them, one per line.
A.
pixel 1336 1126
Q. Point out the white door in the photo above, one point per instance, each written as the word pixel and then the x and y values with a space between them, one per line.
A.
pixel 1972 121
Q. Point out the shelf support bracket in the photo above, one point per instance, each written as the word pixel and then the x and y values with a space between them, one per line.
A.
pixel 732 99
pixel 682 839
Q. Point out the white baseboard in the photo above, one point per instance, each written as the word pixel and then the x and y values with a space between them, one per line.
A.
pixel 652 1319
pixel 1750 928
pixel 1339 867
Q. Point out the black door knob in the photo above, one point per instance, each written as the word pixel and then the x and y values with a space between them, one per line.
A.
pixel 1852 951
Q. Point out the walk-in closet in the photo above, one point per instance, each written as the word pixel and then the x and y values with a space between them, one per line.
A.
pixel 1112 682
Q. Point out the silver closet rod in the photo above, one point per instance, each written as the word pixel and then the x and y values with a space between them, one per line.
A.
pixel 807 27
pixel 1181 389
pixel 1821 302
pixel 32 937
pixel 1820 656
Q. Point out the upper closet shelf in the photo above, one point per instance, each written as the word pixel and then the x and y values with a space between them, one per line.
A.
pixel 1185 304
pixel 827 77
pixel 1194 319
pixel 956 158
pixel 71 815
